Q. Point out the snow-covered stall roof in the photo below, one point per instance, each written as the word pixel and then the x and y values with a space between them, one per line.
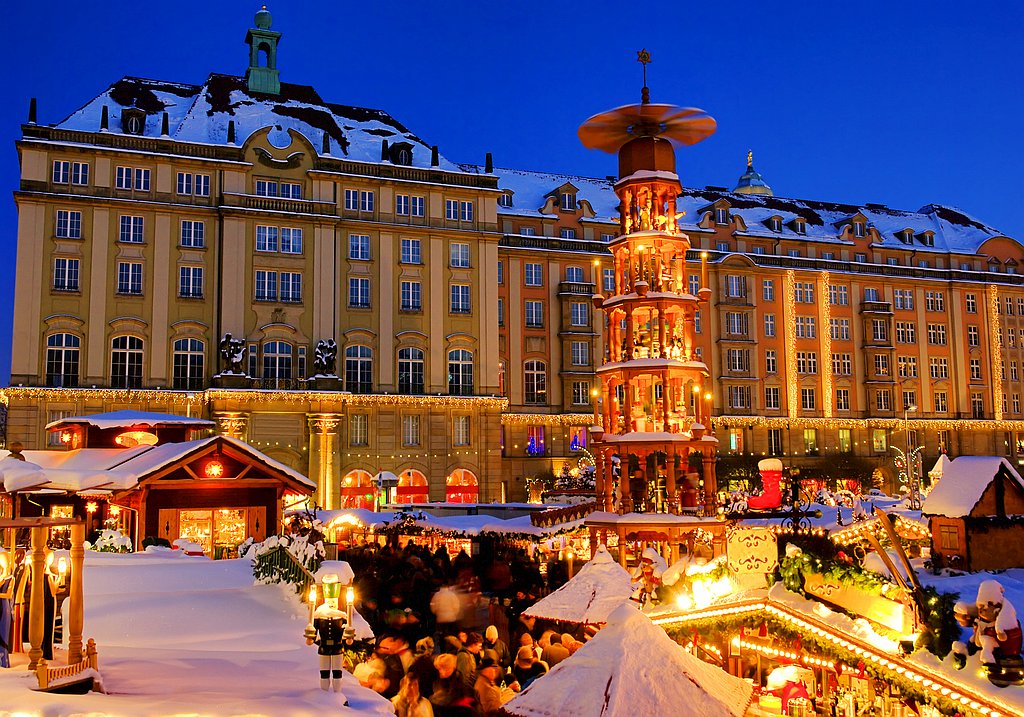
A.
pixel 114 469
pixel 590 596
pixel 201 113
pixel 127 418
pixel 632 667
pixel 940 467
pixel 951 229
pixel 466 525
pixel 963 483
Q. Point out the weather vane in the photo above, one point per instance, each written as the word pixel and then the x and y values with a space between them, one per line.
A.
pixel 644 58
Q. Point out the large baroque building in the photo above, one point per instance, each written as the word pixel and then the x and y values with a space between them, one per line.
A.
pixel 161 216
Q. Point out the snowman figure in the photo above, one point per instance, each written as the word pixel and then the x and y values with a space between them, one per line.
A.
pixel 998 632
pixel 328 631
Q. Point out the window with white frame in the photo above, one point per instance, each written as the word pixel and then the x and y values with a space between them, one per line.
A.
pixel 131 229
pixel 906 332
pixel 410 430
pixel 411 251
pixel 195 184
pixel 971 300
pixel 769 325
pixel 574 274
pixel 410 371
pixel 842 399
pixel 906 366
pixel 772 396
pixel 451 209
pixel 737 360
pixel 359 292
pixel 458 255
pixel 882 367
pixel 736 323
pixel 266 238
pixel 62 358
pixel 567 233
pixel 459 299
pixel 807 399
pixel 806 362
pixel 533 274
pixel 135 178
pixel 608 279
pixel 941 403
pixel 291 240
pixel 880 330
pixel 417 204
pixel 803 292
pixel 129 278
pixel 840 329
pixel 937 334
pixel 291 287
pixel 534 314
pixel 694 283
pixel 842 364
pixel 938 367
pixel 357 200
pixel 736 286
pixel 903 298
pixel 535 382
pixel 580 393
pixel 359 429
pixel 67 172
pixel 975 369
pixel 909 399
pixel 188 364
pixel 806 327
pixel 883 400
pixel 775 441
pixel 126 356
pixel 359 369
pixel 66 273
pixel 771 364
pixel 190 282
pixel 402 205
pixel 580 352
pixel 460 431
pixel 935 301
pixel 839 294
pixel 359 247
pixel 68 224
pixel 579 314
pixel 721 216
pixel 768 289
pixel 738 396
pixel 460 372
pixel 265 285
pixel 410 296
pixel 568 201
pixel 193 234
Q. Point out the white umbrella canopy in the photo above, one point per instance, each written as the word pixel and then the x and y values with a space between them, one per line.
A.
pixel 596 590
pixel 631 668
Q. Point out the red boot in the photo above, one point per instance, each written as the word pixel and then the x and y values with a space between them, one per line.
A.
pixel 771 490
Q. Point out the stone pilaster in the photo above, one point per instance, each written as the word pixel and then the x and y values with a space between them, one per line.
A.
pixel 324 458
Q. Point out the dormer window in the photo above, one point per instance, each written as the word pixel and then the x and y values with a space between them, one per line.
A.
pixel 505 199
pixel 721 216
pixel 133 121
pixel 928 239
pixel 799 226
pixel 859 229
pixel 906 236
pixel 568 202
pixel 775 224
pixel 400 153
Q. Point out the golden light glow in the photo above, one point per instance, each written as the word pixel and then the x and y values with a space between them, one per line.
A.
pixel 214 469
pixel 91 507
pixel 62 566
pixel 350 595
pixel 792 379
pixel 128 439
pixel 65 436
pixel 825 364
pixel 995 337
pixel 312 594
pixel 115 510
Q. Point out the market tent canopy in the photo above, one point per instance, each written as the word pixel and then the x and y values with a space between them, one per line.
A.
pixel 594 592
pixel 632 667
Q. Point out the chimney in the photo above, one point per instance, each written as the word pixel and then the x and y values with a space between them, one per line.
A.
pixel 326 148
pixel 165 126
pixel 383 150
pixel 231 132
pixel 489 164
pixel 104 120
pixel 434 157
pixel 32 111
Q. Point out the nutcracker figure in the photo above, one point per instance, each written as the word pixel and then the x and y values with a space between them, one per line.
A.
pixel 328 630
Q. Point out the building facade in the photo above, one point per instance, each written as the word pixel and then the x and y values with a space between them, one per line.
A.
pixel 160 217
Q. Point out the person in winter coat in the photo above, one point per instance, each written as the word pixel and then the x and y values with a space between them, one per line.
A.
pixel 555 652
pixel 467 659
pixel 489 694
pixel 409 702
pixel 527 667
pixel 450 697
pixel 493 642
pixel 446 606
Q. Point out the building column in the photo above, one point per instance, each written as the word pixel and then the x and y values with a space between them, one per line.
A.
pixel 324 463
pixel 36 612
pixel 710 482
pixel 75 606
pixel 233 424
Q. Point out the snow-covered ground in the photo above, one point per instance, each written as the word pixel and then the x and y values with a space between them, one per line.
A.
pixel 182 635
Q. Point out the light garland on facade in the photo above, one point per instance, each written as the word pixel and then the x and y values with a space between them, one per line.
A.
pixel 554 419
pixel 824 291
pixel 137 395
pixel 770 651
pixel 960 424
pixel 995 337
pixel 907 529
pixel 792 379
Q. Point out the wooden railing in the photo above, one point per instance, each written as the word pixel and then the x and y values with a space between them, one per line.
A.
pixel 281 562
pixel 47 675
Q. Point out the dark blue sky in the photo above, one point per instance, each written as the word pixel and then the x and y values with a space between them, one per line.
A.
pixel 900 103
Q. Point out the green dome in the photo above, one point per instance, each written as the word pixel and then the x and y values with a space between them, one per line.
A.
pixel 263 18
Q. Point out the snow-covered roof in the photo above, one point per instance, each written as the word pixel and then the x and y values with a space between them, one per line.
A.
pixel 201 113
pixel 127 418
pixel 953 230
pixel 940 467
pixel 590 596
pixel 963 483
pixel 112 469
pixel 467 525
pixel 632 667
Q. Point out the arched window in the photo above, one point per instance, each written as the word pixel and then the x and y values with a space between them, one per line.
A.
pixel 410 371
pixel 460 372
pixel 126 362
pixel 263 55
pixel 461 486
pixel 413 487
pixel 574 274
pixel 536 382
pixel 357 490
pixel 359 369
pixel 62 351
pixel 189 361
pixel 277 363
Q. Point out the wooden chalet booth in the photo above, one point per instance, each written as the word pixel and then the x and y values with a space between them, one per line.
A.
pixel 154 475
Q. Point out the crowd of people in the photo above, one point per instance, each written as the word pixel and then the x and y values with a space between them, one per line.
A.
pixel 452 639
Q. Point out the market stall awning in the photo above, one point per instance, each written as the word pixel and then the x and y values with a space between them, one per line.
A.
pixel 386 479
pixel 590 596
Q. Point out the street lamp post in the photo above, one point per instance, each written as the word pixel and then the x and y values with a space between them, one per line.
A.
pixel 911 462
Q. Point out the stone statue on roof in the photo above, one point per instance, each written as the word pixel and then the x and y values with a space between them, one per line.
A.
pixel 232 350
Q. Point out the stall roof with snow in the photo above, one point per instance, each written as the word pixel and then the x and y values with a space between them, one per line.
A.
pixel 632 667
pixel 976 514
pixel 599 587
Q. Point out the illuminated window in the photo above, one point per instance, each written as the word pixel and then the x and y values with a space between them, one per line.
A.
pixel 359 369
pixel 410 371
pixel 845 441
pixel 126 362
pixel 535 383
pixel 358 429
pixel 879 441
pixel 460 373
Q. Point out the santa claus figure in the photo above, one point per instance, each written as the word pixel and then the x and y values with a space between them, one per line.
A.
pixel 998 632
pixel 328 632
pixel 647 577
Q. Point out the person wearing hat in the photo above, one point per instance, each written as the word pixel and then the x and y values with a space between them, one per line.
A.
pixel 489 695
pixel 527 667
pixel 493 642
pixel 328 631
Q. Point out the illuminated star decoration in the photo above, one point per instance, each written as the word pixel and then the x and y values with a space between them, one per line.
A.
pixel 644 58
